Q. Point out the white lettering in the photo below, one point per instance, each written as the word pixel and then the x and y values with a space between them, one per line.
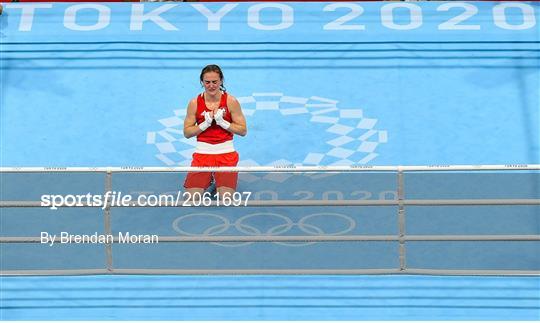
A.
pixel 47 238
pixel 70 200
pixel 454 23
pixel 499 16
pixel 45 200
pixel 27 15
pixel 287 16
pixel 141 238
pixel 387 16
pixel 57 200
pixel 97 200
pixel 214 19
pixel 138 17
pixel 340 23
pixel 44 237
pixel 64 237
pixel 104 17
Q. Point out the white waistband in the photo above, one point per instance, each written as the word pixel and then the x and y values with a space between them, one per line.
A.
pixel 222 148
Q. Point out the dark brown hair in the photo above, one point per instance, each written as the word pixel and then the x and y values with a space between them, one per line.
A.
pixel 216 69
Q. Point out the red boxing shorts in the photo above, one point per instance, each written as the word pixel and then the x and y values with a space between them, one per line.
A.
pixel 203 179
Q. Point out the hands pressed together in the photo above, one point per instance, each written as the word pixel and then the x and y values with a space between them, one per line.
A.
pixel 218 116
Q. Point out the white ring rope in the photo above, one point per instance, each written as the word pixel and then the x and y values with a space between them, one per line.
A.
pixel 291 168
pixel 311 233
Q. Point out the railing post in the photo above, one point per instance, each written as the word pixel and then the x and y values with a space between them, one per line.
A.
pixel 401 219
pixel 107 221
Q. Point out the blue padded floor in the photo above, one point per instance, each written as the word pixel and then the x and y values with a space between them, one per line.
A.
pixel 270 298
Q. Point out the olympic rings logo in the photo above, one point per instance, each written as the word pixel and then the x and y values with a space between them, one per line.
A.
pixel 263 223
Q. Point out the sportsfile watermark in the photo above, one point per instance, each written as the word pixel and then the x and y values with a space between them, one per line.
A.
pixel 119 199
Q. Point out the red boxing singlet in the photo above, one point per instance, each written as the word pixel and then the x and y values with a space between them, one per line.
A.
pixel 214 134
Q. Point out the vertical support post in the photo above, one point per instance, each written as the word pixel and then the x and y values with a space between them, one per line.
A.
pixel 107 220
pixel 401 219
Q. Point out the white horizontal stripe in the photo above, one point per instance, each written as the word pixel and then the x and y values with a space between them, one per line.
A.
pixel 290 99
pixel 222 148
pixel 406 271
pixel 320 105
pixel 287 112
pixel 324 119
pixel 351 113
pixel 295 169
pixel 323 111
pixel 174 130
pixel 246 99
pixel 318 98
pixel 266 105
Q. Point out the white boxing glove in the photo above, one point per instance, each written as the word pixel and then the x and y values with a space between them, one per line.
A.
pixel 207 121
pixel 219 119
